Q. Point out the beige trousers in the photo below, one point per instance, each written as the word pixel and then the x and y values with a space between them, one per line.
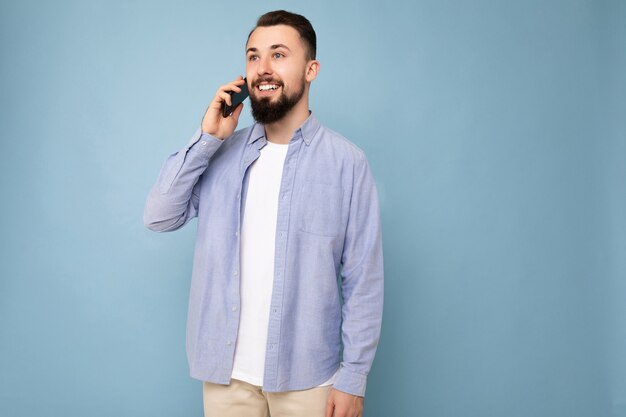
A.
pixel 241 399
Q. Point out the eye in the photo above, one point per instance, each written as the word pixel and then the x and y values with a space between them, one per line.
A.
pixel 252 58
pixel 278 55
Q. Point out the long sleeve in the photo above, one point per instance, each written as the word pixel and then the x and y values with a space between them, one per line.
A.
pixel 173 200
pixel 362 283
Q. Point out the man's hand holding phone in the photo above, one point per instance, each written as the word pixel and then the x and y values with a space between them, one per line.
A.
pixel 214 123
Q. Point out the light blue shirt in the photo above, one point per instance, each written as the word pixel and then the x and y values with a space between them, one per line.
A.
pixel 327 296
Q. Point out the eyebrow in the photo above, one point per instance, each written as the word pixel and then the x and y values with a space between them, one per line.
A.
pixel 275 46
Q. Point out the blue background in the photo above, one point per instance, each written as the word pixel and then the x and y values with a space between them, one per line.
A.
pixel 495 130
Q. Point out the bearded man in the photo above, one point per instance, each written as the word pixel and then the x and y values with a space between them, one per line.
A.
pixel 286 298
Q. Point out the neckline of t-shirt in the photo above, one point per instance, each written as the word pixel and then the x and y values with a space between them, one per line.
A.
pixel 273 145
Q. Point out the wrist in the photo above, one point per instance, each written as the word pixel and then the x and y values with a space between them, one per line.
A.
pixel 208 137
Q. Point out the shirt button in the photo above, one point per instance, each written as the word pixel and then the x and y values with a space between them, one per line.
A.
pixel 229 343
pixel 234 308
pixel 284 196
pixel 280 234
pixel 235 272
pixel 236 233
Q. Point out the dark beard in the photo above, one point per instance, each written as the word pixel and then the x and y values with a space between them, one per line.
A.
pixel 266 112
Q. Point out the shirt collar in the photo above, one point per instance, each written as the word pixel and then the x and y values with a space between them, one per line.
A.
pixel 307 130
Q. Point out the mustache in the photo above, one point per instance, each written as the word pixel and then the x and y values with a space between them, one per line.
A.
pixel 266 80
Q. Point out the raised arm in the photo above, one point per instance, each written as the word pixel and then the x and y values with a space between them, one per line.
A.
pixel 173 200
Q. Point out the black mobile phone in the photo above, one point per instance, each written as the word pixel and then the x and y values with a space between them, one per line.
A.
pixel 235 98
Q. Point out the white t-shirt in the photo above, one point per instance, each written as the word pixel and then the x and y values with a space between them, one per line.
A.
pixel 258 234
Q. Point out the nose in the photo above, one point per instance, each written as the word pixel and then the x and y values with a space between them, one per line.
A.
pixel 264 66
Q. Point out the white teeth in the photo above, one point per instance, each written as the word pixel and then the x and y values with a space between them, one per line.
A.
pixel 265 87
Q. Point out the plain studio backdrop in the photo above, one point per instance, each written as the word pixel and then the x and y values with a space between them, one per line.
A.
pixel 496 132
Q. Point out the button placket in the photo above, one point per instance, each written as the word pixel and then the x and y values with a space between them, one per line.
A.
pixel 252 154
pixel 282 224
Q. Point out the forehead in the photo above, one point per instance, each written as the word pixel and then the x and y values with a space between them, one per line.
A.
pixel 264 37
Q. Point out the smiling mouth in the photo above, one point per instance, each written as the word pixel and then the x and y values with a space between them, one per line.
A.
pixel 268 87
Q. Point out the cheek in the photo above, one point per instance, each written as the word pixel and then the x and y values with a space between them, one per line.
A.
pixel 251 70
pixel 292 78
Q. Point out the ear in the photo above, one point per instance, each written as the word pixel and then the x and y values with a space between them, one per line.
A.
pixel 312 69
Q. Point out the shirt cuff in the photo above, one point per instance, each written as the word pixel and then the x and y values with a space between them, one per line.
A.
pixel 209 138
pixel 204 144
pixel 350 382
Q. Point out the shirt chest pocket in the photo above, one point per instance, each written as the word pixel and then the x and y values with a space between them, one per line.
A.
pixel 320 208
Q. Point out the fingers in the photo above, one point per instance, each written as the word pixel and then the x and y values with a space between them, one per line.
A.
pixel 223 92
pixel 329 408
pixel 213 121
pixel 233 85
pixel 224 96
pixel 235 114
pixel 230 87
pixel 340 404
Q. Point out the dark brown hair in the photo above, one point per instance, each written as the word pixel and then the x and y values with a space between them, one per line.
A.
pixel 296 21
